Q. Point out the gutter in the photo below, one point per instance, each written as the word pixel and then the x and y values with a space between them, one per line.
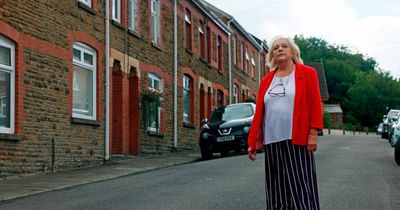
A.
pixel 175 77
pixel 107 85
pixel 230 61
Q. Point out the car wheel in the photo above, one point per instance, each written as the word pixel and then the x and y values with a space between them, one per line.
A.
pixel 206 151
pixel 397 153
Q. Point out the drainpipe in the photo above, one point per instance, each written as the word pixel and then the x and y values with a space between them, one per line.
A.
pixel 230 62
pixel 260 63
pixel 107 85
pixel 175 77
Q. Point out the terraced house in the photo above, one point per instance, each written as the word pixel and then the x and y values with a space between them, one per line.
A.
pixel 84 80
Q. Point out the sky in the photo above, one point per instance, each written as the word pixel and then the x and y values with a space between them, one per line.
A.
pixel 369 27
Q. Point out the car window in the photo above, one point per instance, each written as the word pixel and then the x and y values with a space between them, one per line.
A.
pixel 231 113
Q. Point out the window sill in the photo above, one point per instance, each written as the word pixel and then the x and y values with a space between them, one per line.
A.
pixel 155 133
pixel 202 60
pixel 157 46
pixel 10 137
pixel 86 8
pixel 134 33
pixel 188 125
pixel 85 122
pixel 220 72
pixel 118 25
pixel 189 51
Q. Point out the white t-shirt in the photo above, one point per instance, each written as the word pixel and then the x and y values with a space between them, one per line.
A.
pixel 279 105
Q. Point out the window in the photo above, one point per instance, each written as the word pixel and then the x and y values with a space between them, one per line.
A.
pixel 7 89
pixel 116 10
pixel 84 82
pixel 246 63
pixel 202 39
pixel 187 99
pixel 155 84
pixel 253 65
pixel 242 55
pixel 219 53
pixel 220 98
pixel 234 49
pixel 87 2
pixel 155 21
pixel 132 14
pixel 188 29
pixel 235 93
pixel 208 36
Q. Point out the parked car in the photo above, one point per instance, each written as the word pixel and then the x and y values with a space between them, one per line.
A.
pixel 394 133
pixel 397 153
pixel 227 129
pixel 379 129
pixel 388 122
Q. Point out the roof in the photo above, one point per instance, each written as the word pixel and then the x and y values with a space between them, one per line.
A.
pixel 220 14
pixel 212 16
pixel 323 87
pixel 333 108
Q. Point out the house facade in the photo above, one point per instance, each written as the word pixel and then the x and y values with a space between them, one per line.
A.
pixel 81 80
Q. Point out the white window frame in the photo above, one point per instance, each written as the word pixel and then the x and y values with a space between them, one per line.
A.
pixel 4 42
pixel 154 77
pixel 132 19
pixel 155 14
pixel 186 87
pixel 88 50
pixel 116 11
pixel 235 94
pixel 86 2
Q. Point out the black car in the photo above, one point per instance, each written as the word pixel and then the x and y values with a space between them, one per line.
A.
pixel 227 129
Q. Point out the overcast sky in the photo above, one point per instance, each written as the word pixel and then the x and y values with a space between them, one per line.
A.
pixel 370 27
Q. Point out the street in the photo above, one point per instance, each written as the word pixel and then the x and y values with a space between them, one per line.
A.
pixel 354 172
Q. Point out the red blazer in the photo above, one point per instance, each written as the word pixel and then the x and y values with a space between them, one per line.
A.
pixel 307 111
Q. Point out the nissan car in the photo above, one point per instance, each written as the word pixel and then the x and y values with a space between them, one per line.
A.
pixel 226 130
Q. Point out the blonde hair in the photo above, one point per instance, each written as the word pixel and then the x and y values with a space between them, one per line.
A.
pixel 293 46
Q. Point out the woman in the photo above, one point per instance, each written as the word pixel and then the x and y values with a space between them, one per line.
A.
pixel 287 120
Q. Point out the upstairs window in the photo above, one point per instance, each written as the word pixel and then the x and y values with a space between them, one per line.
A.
pixel 219 53
pixel 202 40
pixel 246 62
pixel 155 21
pixel 7 88
pixel 208 36
pixel 84 82
pixel 116 10
pixel 132 15
pixel 234 49
pixel 188 29
pixel 253 65
pixel 242 55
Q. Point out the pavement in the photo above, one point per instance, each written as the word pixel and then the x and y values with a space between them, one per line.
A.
pixel 19 187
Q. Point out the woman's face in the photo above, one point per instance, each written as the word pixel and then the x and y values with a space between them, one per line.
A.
pixel 282 51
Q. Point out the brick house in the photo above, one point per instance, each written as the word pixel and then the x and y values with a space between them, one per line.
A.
pixel 72 84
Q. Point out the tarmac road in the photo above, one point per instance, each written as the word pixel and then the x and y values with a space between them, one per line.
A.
pixel 354 172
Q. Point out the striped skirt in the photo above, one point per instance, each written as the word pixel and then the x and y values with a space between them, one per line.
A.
pixel 290 174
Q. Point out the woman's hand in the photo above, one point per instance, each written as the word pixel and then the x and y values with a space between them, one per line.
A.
pixel 252 153
pixel 312 143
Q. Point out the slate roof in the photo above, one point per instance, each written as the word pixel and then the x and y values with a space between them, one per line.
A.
pixel 333 108
pixel 323 87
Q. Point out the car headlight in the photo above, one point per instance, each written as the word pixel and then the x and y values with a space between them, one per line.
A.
pixel 204 135
pixel 246 129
